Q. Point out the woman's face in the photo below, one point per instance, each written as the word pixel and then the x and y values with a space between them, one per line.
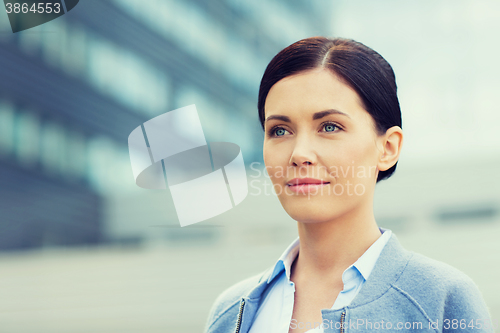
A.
pixel 306 136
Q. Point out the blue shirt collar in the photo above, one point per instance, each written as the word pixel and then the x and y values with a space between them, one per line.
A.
pixel 364 264
pixel 286 260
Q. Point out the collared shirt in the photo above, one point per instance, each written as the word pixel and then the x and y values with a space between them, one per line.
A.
pixel 275 311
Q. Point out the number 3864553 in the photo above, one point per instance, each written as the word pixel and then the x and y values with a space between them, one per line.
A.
pixel 36 8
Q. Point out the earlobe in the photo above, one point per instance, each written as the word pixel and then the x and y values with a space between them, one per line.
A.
pixel 392 142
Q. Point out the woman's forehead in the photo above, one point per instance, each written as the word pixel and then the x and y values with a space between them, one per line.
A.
pixel 310 92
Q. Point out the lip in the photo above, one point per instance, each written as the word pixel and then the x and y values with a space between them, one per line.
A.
pixel 305 185
pixel 306 181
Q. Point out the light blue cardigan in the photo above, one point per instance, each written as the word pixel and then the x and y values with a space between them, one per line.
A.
pixel 406 291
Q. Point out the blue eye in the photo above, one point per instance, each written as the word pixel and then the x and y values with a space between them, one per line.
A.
pixel 279 130
pixel 331 126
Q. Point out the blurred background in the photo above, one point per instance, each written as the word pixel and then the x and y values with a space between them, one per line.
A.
pixel 83 249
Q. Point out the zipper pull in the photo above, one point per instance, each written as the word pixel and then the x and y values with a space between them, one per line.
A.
pixel 238 323
pixel 342 318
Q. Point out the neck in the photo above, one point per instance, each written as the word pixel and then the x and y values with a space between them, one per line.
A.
pixel 328 248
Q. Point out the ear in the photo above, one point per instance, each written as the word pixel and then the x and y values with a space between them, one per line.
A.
pixel 389 146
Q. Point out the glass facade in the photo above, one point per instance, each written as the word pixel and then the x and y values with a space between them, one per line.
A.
pixel 75 87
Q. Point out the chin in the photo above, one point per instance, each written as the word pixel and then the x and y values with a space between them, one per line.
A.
pixel 308 213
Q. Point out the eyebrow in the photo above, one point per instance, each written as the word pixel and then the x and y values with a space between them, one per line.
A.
pixel 317 115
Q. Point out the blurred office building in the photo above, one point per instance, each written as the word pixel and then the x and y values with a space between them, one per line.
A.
pixel 73 89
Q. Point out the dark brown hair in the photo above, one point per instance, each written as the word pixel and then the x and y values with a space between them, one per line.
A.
pixel 360 67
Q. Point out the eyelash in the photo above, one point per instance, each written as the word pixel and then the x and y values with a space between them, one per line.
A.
pixel 272 131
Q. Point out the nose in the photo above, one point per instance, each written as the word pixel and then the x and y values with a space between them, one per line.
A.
pixel 302 154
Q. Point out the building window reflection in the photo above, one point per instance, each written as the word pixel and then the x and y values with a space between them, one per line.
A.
pixel 27 127
pixel 6 127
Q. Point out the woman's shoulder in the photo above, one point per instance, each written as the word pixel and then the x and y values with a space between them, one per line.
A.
pixel 232 295
pixel 434 273
pixel 238 290
pixel 441 288
pixel 415 271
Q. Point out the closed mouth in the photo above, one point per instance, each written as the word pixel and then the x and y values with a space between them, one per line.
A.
pixel 306 181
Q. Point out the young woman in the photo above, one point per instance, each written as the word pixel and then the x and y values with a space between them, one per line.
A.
pixel 333 129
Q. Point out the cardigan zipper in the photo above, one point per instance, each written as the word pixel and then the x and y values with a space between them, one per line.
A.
pixel 238 323
pixel 342 318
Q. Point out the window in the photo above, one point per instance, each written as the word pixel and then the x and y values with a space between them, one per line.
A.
pixel 52 148
pixel 211 114
pixel 127 78
pixel 6 127
pixel 27 138
pixel 109 169
pixel 76 155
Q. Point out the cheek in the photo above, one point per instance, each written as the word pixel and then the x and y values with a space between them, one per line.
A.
pixel 365 163
pixel 351 159
pixel 361 154
pixel 344 152
pixel 267 156
pixel 277 161
pixel 360 150
pixel 271 160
